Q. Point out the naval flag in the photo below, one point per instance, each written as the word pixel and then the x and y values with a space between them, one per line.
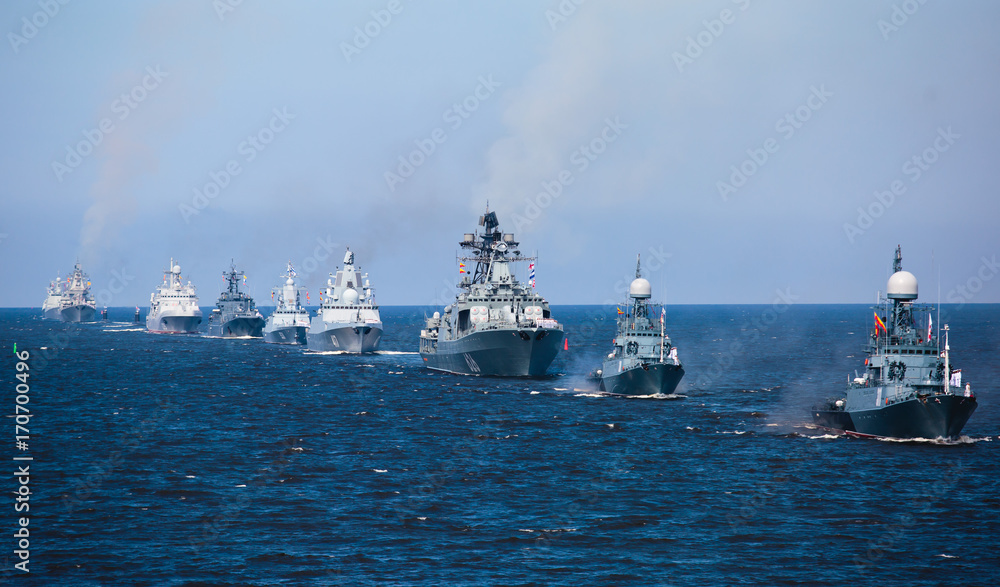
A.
pixel 531 274
pixel 956 378
pixel 930 323
pixel 878 322
pixel 461 267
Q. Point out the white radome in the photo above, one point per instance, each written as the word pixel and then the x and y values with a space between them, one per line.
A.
pixel 640 288
pixel 289 281
pixel 902 286
pixel 176 269
pixel 350 296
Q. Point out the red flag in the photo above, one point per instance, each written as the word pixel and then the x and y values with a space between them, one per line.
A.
pixel 878 322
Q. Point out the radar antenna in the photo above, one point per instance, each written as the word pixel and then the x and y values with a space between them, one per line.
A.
pixel 637 267
pixel 897 263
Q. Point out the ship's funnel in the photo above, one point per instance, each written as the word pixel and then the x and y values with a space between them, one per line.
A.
pixel 902 286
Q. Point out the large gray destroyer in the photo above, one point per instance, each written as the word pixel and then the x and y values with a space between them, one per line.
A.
pixel 235 313
pixel 497 325
pixel 290 321
pixel 52 306
pixel 910 388
pixel 348 319
pixel 173 307
pixel 643 361
pixel 77 303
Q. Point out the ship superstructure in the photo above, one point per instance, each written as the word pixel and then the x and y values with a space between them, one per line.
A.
pixel 52 306
pixel 348 319
pixel 909 388
pixel 173 307
pixel 290 321
pixel 643 360
pixel 77 303
pixel 497 325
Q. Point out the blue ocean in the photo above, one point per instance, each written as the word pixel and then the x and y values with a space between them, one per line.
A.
pixel 187 460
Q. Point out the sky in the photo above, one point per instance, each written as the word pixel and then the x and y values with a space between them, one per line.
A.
pixel 748 151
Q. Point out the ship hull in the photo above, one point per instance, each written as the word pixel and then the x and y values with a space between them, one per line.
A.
pixel 78 314
pixel 937 416
pixel 655 378
pixel 497 353
pixel 52 314
pixel 350 338
pixel 173 324
pixel 237 327
pixel 286 335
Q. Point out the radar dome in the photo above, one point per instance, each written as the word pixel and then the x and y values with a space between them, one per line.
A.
pixel 176 269
pixel 902 286
pixel 640 288
pixel 350 296
pixel 289 281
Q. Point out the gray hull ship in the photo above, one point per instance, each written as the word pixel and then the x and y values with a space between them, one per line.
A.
pixel 497 326
pixel 235 313
pixel 52 306
pixel 348 319
pixel 643 361
pixel 173 307
pixel 909 388
pixel 77 304
pixel 290 321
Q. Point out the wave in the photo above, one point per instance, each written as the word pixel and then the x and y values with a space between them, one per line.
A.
pixel 123 329
pixel 396 353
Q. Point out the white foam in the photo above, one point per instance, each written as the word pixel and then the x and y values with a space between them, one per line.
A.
pixel 396 353
pixel 947 556
pixel 381 470
pixel 324 352
pixel 589 395
pixel 241 485
pixel 123 329
pixel 823 436
pixel 534 393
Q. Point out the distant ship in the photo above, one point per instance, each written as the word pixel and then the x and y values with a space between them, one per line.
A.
pixel 77 303
pixel 497 326
pixel 173 307
pixel 52 306
pixel 235 313
pixel 643 361
pixel 909 388
pixel 290 321
pixel 347 319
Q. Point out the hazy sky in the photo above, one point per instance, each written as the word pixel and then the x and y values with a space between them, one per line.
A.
pixel 730 142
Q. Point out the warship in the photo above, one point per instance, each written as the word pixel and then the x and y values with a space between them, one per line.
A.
pixel 497 325
pixel 173 307
pixel 910 388
pixel 77 303
pixel 52 306
pixel 643 362
pixel 347 320
pixel 290 320
pixel 235 313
